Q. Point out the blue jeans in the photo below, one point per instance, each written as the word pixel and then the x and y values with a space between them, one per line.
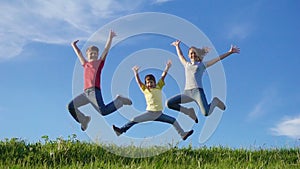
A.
pixel 94 97
pixel 196 95
pixel 149 116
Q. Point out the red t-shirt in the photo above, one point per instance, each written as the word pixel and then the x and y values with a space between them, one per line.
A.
pixel 92 73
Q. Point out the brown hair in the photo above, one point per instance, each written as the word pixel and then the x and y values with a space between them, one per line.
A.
pixel 91 48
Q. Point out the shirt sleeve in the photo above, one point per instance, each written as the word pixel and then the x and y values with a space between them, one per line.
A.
pixel 160 84
pixel 143 87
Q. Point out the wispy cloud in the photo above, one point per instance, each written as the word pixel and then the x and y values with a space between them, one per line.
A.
pixel 54 21
pixel 240 31
pixel 265 104
pixel 244 22
pixel 161 1
pixel 289 127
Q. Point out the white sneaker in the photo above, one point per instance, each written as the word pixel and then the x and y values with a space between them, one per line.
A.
pixel 216 102
pixel 84 123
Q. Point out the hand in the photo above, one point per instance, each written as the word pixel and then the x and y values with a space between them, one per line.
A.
pixel 176 43
pixel 169 64
pixel 135 69
pixel 234 49
pixel 112 34
pixel 74 42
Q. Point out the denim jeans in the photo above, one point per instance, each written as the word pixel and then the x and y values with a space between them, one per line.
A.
pixel 94 97
pixel 149 116
pixel 196 95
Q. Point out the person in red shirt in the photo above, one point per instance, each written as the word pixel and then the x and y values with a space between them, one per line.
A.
pixel 92 88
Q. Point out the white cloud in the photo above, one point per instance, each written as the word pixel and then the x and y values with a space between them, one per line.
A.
pixel 288 127
pixel 244 22
pixel 161 1
pixel 240 31
pixel 265 104
pixel 54 21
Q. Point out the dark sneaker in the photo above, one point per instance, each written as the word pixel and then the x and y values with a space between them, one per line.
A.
pixel 124 100
pixel 84 123
pixel 117 130
pixel 187 134
pixel 193 115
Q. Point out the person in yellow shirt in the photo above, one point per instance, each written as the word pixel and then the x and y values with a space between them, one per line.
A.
pixel 153 96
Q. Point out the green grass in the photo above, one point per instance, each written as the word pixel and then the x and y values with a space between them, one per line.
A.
pixel 71 153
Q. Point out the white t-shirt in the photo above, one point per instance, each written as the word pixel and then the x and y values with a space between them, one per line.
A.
pixel 193 74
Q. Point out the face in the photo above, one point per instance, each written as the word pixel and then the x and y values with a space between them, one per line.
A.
pixel 92 55
pixel 192 54
pixel 150 83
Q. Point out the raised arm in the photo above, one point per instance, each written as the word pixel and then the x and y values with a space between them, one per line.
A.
pixel 168 65
pixel 111 35
pixel 78 52
pixel 137 77
pixel 233 49
pixel 179 52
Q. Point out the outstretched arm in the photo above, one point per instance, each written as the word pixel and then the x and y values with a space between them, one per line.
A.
pixel 111 35
pixel 233 49
pixel 78 52
pixel 179 52
pixel 168 65
pixel 137 77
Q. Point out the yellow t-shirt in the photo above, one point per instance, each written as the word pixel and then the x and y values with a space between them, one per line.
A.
pixel 154 97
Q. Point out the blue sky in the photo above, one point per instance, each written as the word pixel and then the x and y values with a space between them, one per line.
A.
pixel 262 93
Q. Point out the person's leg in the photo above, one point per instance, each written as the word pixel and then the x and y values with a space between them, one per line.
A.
pixel 219 103
pixel 199 97
pixel 95 96
pixel 147 116
pixel 206 109
pixel 171 120
pixel 123 129
pixel 73 106
pixel 117 103
pixel 174 103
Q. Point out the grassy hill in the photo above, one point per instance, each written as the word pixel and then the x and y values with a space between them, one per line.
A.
pixel 71 153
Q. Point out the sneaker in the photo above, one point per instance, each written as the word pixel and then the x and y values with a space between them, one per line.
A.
pixel 193 115
pixel 124 100
pixel 117 130
pixel 84 123
pixel 220 104
pixel 187 134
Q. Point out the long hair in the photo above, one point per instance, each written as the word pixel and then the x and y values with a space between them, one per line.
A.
pixel 200 52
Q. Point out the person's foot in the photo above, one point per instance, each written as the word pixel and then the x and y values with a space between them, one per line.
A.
pixel 117 130
pixel 193 115
pixel 187 134
pixel 219 103
pixel 84 123
pixel 124 100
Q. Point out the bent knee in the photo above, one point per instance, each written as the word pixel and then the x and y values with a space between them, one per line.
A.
pixel 70 106
pixel 169 104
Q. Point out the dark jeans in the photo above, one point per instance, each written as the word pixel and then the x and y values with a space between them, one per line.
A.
pixel 149 116
pixel 94 97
